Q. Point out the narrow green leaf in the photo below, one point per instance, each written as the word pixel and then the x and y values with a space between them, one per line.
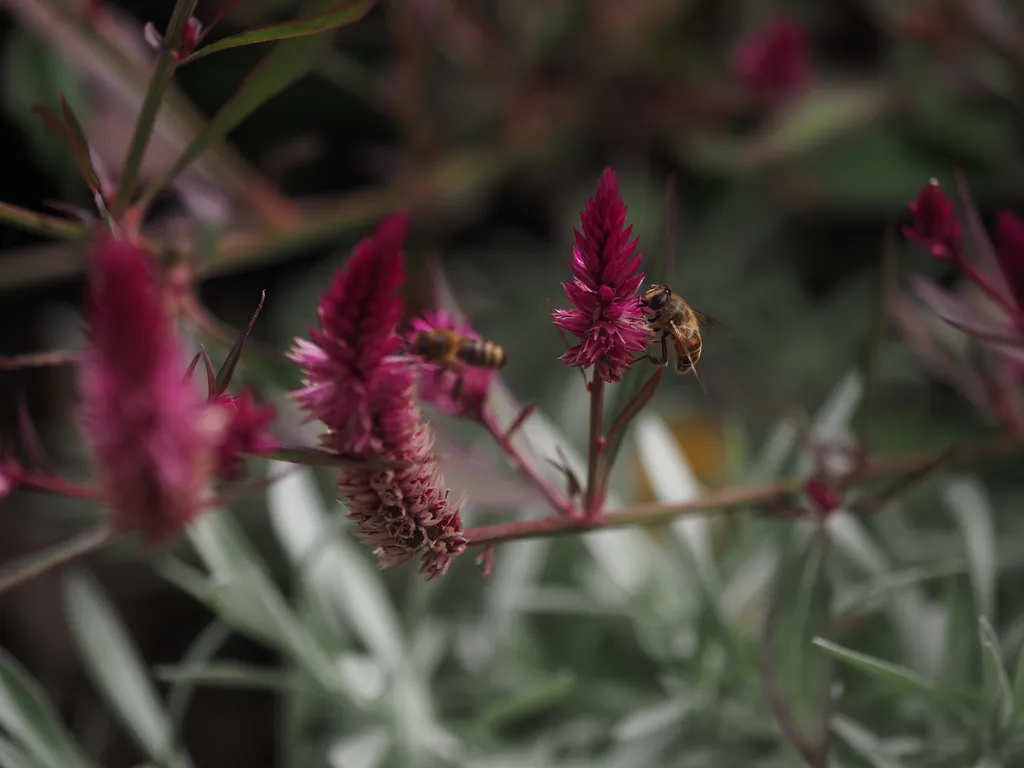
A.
pixel 235 675
pixel 162 74
pixel 11 756
pixel 902 677
pixel 532 700
pixel 998 689
pixel 117 669
pixel 228 369
pixel 967 500
pixel 287 62
pixel 202 649
pixel 42 223
pixel 27 715
pixel 1018 690
pixel 864 742
pixel 80 145
pixel 346 12
pixel 15 572
pixel 57 127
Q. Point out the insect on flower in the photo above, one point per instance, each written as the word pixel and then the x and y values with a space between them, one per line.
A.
pixel 450 350
pixel 676 321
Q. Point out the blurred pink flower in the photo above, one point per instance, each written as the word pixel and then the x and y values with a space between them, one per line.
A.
pixel 363 393
pixel 436 385
pixel 246 432
pixel 1009 247
pixel 152 436
pixel 773 64
pixel 607 318
pixel 935 226
pixel 825 498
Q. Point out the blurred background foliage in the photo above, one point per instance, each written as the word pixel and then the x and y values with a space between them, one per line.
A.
pixel 490 120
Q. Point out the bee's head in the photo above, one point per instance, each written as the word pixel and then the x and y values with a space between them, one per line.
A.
pixel 656 297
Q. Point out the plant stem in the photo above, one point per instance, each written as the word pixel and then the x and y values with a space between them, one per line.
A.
pixel 43 224
pixel 38 360
pixel 737 496
pixel 526 467
pixel 162 75
pixel 993 293
pixel 60 487
pixel 592 504
pixel 24 568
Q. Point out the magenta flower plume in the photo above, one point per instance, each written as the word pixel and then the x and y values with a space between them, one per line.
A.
pixel 152 436
pixel 363 392
pixel 1009 247
pixel 246 432
pixel 935 224
pixel 607 319
pixel 773 64
pixel 437 385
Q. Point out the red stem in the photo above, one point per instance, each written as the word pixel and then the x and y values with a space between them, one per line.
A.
pixel 592 505
pixel 994 293
pixel 59 486
pixel 526 467
pixel 759 494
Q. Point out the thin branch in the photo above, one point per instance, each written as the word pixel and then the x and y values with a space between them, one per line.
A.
pixel 724 500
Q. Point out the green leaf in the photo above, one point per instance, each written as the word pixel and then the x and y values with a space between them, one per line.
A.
pixel 27 715
pixel 346 12
pixel 202 649
pixel 235 676
pixel 117 669
pixel 901 677
pixel 967 501
pixel 997 686
pixel 11 756
pixel 228 369
pixel 161 78
pixel 338 574
pixel 68 130
pixel 864 743
pixel 286 63
pixel 1018 690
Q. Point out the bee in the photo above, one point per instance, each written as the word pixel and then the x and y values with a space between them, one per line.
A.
pixel 677 321
pixel 450 350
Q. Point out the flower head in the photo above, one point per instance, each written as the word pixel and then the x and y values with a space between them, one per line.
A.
pixel 1010 252
pixel 152 437
pixel 439 386
pixel 773 63
pixel 363 393
pixel 607 318
pixel 246 432
pixel 935 224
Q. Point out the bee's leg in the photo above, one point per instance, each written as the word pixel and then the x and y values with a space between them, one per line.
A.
pixel 457 388
pixel 663 361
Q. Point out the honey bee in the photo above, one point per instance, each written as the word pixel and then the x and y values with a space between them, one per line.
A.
pixel 677 321
pixel 450 350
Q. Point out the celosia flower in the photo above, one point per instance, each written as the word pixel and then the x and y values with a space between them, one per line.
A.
pixel 824 497
pixel 1009 247
pixel 607 319
pixel 246 432
pixel 153 438
pixel 773 63
pixel 363 393
pixel 935 224
pixel 437 385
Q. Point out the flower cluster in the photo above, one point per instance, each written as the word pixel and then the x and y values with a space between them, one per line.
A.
pixel 607 317
pixel 363 393
pixel 154 440
pixel 773 64
pixel 935 224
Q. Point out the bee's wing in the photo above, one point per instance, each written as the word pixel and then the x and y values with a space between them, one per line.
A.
pixel 682 350
pixel 709 326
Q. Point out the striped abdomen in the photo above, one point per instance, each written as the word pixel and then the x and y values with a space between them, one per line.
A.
pixel 480 353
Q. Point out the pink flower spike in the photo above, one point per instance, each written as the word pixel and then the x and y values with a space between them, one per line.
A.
pixel 153 439
pixel 1009 247
pixel 935 224
pixel 363 392
pixel 436 385
pixel 607 318
pixel 773 64
pixel 246 432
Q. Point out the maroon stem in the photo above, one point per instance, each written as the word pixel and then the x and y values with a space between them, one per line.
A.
pixel 60 487
pixel 994 293
pixel 526 467
pixel 756 495
pixel 592 505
